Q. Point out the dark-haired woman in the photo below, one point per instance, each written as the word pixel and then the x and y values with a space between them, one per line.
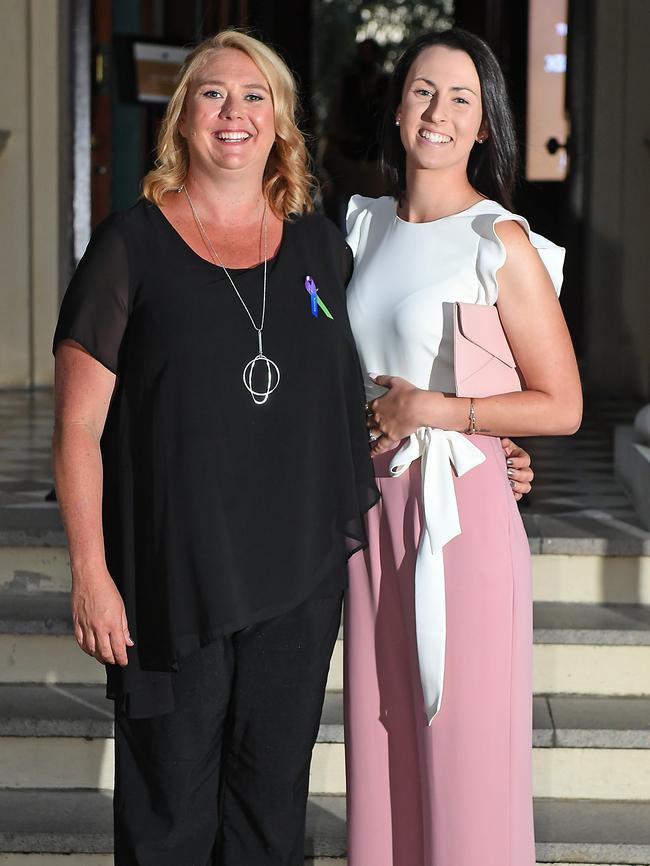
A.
pixel 443 594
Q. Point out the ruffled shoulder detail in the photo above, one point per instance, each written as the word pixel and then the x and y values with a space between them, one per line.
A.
pixel 491 252
pixel 361 211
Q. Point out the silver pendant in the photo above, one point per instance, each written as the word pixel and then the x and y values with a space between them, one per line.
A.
pixel 272 369
pixel 272 378
pixel 272 374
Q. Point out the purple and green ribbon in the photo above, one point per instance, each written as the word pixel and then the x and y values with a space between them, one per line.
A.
pixel 316 300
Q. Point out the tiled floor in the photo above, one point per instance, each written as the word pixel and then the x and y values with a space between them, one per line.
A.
pixel 576 473
pixel 577 504
pixel 25 434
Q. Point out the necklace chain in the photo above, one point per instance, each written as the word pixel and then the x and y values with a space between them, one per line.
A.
pixel 217 260
pixel 271 368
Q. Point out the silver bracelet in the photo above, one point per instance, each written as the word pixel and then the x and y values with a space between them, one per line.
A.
pixel 471 426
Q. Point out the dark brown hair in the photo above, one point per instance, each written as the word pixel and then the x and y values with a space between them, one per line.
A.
pixel 493 166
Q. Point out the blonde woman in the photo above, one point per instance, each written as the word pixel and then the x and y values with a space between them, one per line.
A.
pixel 204 340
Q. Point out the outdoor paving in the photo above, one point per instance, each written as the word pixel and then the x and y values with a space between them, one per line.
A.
pixel 26 471
pixel 577 504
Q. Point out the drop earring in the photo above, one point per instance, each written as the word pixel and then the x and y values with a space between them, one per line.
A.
pixel 397 122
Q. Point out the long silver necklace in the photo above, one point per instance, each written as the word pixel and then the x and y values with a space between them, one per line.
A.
pixel 272 369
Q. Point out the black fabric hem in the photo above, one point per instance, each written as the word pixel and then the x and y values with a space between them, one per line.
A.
pixel 85 344
pixel 154 694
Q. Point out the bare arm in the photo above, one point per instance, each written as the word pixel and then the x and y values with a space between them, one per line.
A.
pixel 83 389
pixel 533 321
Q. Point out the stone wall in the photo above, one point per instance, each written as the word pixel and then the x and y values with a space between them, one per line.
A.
pixel 34 185
pixel 617 308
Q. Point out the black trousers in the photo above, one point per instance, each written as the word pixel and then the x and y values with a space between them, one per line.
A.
pixel 224 779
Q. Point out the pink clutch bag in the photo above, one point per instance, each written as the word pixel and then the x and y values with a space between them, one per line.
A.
pixel 483 362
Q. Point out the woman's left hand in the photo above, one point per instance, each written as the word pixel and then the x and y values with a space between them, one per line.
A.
pixel 394 415
pixel 399 412
pixel 520 474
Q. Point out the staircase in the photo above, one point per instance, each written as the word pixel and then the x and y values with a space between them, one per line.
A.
pixel 591 706
pixel 591 719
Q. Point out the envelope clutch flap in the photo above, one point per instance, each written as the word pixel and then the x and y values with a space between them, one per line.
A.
pixel 483 361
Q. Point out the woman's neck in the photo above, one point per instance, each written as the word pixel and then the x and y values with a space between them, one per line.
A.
pixel 227 198
pixel 432 194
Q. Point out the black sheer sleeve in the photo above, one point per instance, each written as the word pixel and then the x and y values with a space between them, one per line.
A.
pixel 95 307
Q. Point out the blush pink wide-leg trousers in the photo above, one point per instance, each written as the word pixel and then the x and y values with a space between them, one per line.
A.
pixel 457 793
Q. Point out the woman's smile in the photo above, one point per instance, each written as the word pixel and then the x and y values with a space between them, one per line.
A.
pixel 233 136
pixel 435 138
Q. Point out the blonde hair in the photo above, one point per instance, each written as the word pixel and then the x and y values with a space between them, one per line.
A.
pixel 287 182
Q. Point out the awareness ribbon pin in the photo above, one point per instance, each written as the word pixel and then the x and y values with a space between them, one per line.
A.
pixel 316 300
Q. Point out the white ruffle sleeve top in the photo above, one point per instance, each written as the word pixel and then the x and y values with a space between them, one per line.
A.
pixel 407 276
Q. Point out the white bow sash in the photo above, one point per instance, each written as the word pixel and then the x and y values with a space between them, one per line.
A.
pixel 441 523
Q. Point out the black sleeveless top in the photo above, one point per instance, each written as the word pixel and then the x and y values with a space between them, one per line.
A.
pixel 218 513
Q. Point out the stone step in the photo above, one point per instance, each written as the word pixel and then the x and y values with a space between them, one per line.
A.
pixel 40 659
pixel 80 822
pixel 588 831
pixel 591 579
pixel 566 721
pixel 35 613
pixel 555 622
pixel 48 825
pixel 582 578
pixel 36 643
pixel 55 736
pixel 571 623
pixel 579 648
pixel 107 860
pixel 591 649
pixel 34 569
pixel 591 670
pixel 580 773
pixel 585 649
pixel 32 525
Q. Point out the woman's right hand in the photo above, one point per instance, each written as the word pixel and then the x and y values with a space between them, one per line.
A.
pixel 99 619
pixel 83 391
